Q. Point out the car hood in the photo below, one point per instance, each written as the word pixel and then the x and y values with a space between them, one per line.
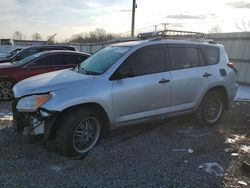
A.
pixel 3 55
pixel 48 82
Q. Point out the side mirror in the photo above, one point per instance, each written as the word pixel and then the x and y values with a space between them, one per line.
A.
pixel 126 71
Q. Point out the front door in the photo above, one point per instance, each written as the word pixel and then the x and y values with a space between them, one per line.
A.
pixel 147 93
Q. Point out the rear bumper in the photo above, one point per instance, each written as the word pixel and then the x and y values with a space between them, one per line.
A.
pixel 232 92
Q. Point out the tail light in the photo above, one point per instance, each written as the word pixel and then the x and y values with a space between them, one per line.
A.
pixel 232 66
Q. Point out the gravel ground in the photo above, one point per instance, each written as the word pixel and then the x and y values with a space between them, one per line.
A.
pixel 173 153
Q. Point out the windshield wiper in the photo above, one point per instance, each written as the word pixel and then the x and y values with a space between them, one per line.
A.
pixel 82 70
pixel 76 69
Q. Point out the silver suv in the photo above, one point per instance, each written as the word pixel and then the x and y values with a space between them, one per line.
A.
pixel 124 84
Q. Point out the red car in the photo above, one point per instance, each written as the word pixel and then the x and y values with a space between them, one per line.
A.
pixel 11 73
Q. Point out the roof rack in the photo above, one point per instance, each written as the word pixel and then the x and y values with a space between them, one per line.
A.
pixel 171 34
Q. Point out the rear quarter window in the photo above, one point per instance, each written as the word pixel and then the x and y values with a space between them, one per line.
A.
pixel 212 55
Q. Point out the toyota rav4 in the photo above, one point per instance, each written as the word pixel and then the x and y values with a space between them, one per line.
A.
pixel 124 84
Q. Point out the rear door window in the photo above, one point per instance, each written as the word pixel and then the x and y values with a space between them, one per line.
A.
pixel 201 58
pixel 211 54
pixel 183 57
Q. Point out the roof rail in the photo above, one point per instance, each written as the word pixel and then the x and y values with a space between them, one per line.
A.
pixel 171 34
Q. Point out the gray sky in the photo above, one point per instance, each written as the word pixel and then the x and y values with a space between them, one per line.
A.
pixel 68 17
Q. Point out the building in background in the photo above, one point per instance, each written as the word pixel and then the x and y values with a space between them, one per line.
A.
pixel 29 42
pixel 6 42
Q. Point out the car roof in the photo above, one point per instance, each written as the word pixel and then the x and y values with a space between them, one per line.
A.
pixel 163 41
pixel 63 52
pixel 50 46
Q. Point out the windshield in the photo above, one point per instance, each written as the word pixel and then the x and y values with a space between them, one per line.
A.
pixel 11 56
pixel 12 53
pixel 15 51
pixel 27 59
pixel 103 59
pixel 8 56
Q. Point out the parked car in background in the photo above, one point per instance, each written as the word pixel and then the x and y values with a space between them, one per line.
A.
pixel 125 84
pixel 9 54
pixel 33 50
pixel 11 73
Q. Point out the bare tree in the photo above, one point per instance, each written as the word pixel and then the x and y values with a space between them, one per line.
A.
pixel 36 36
pixel 18 35
pixel 244 26
pixel 98 35
pixel 215 29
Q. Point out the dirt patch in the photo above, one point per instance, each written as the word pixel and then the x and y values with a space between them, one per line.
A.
pixel 235 126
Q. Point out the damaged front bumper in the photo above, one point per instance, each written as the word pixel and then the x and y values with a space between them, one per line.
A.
pixel 39 122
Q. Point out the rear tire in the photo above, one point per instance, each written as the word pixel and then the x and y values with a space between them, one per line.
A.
pixel 6 86
pixel 211 109
pixel 78 132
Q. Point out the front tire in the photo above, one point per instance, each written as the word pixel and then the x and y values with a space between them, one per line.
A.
pixel 78 132
pixel 211 109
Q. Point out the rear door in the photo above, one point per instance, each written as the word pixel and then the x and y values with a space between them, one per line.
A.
pixel 147 94
pixel 190 76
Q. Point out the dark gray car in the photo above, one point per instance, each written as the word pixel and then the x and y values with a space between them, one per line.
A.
pixel 33 50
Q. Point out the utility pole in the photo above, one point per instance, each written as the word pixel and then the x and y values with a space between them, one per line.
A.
pixel 155 26
pixel 133 18
pixel 165 25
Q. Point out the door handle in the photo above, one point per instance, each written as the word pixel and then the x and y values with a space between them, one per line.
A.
pixel 206 75
pixel 163 81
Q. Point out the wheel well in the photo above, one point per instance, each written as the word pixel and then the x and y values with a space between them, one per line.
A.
pixel 222 90
pixel 95 106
